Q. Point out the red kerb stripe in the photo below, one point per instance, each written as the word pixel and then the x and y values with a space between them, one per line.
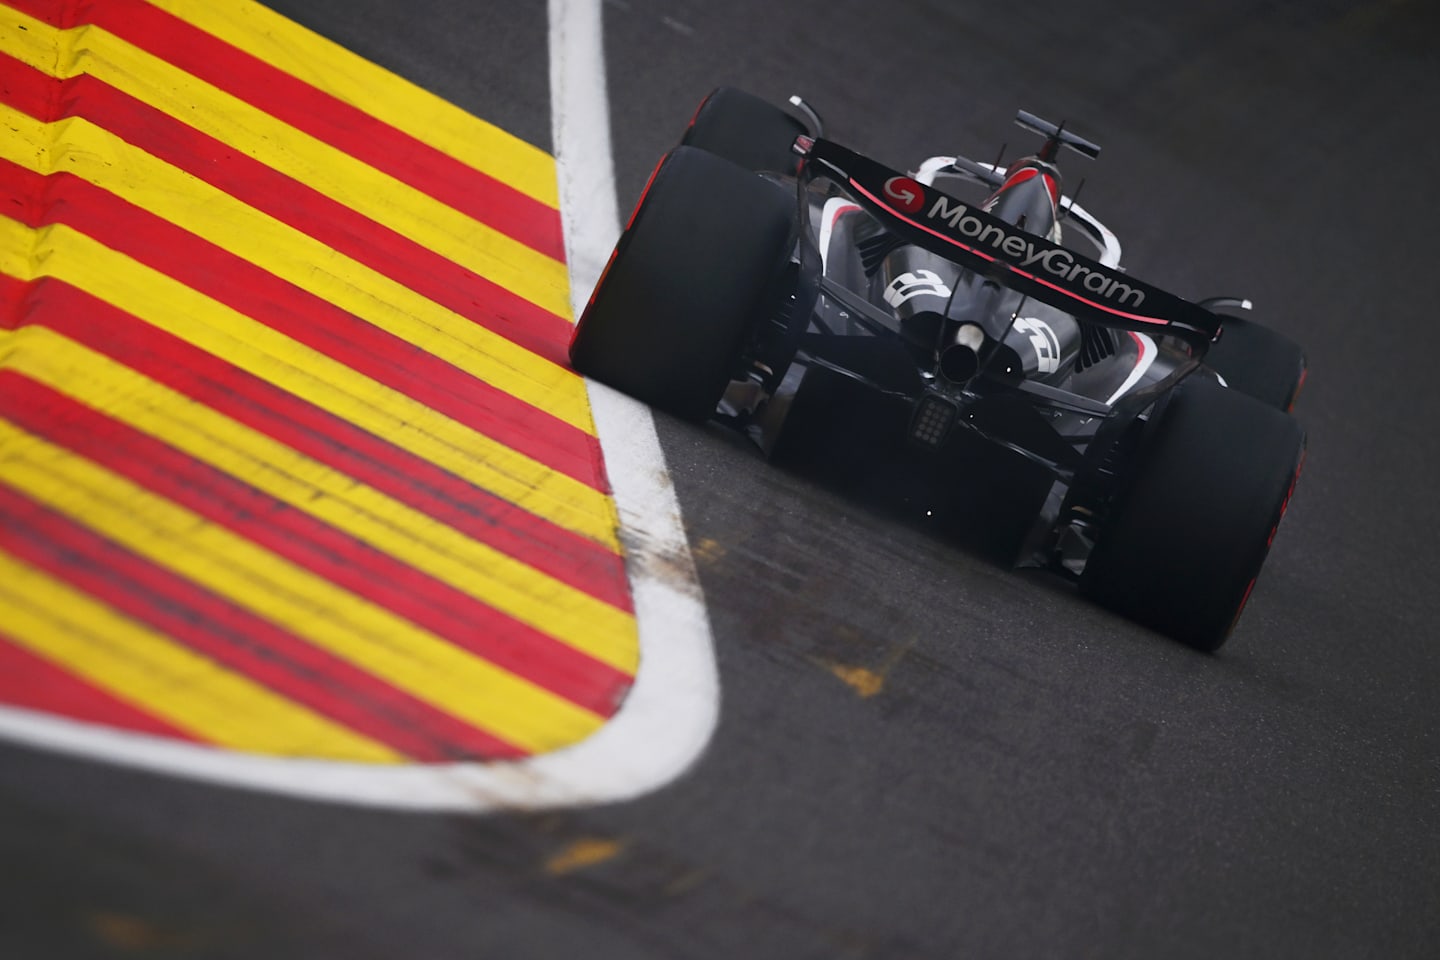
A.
pixel 566 556
pixel 317 113
pixel 34 683
pixel 303 540
pixel 63 198
pixel 223 632
pixel 340 228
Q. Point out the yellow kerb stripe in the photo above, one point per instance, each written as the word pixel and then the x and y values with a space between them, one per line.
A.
pixel 308 606
pixel 78 147
pixel 494 578
pixel 129 660
pixel 320 63
pixel 61 252
pixel 410 212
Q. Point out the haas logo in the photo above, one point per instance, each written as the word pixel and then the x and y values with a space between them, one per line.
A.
pixel 1043 341
pixel 905 194
pixel 907 286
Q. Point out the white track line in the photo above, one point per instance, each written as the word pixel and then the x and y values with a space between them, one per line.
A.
pixel 671 710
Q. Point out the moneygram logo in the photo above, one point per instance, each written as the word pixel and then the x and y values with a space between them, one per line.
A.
pixel 905 194
pixel 1021 250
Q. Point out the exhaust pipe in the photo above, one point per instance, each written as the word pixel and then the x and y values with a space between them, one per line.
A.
pixel 960 359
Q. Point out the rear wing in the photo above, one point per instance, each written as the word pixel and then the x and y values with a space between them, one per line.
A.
pixel 1056 136
pixel 1022 261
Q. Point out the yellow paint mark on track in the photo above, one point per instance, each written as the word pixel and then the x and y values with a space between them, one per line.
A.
pixel 117 654
pixel 488 575
pixel 403 208
pixel 130 933
pixel 864 681
pixel 588 852
pixel 61 252
pixel 399 103
pixel 290 596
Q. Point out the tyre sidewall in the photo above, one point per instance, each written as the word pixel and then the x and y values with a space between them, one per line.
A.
pixel 745 130
pixel 1191 523
pixel 694 270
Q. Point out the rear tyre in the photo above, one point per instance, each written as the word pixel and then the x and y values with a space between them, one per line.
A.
pixel 746 130
pixel 1193 519
pixel 695 269
pixel 1258 361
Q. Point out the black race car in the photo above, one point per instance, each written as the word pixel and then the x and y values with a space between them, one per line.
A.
pixel 763 264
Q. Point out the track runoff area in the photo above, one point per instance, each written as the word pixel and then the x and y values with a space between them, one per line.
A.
pixel 297 490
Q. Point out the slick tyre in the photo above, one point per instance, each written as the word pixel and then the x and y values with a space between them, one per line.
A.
pixel 746 130
pixel 1195 513
pixel 1258 361
pixel 695 269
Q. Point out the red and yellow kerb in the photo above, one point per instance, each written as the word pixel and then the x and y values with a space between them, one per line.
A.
pixel 290 459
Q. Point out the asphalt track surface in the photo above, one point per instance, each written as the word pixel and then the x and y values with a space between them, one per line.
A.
pixel 1028 776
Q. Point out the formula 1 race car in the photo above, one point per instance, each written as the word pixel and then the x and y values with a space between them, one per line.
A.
pixel 763 262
